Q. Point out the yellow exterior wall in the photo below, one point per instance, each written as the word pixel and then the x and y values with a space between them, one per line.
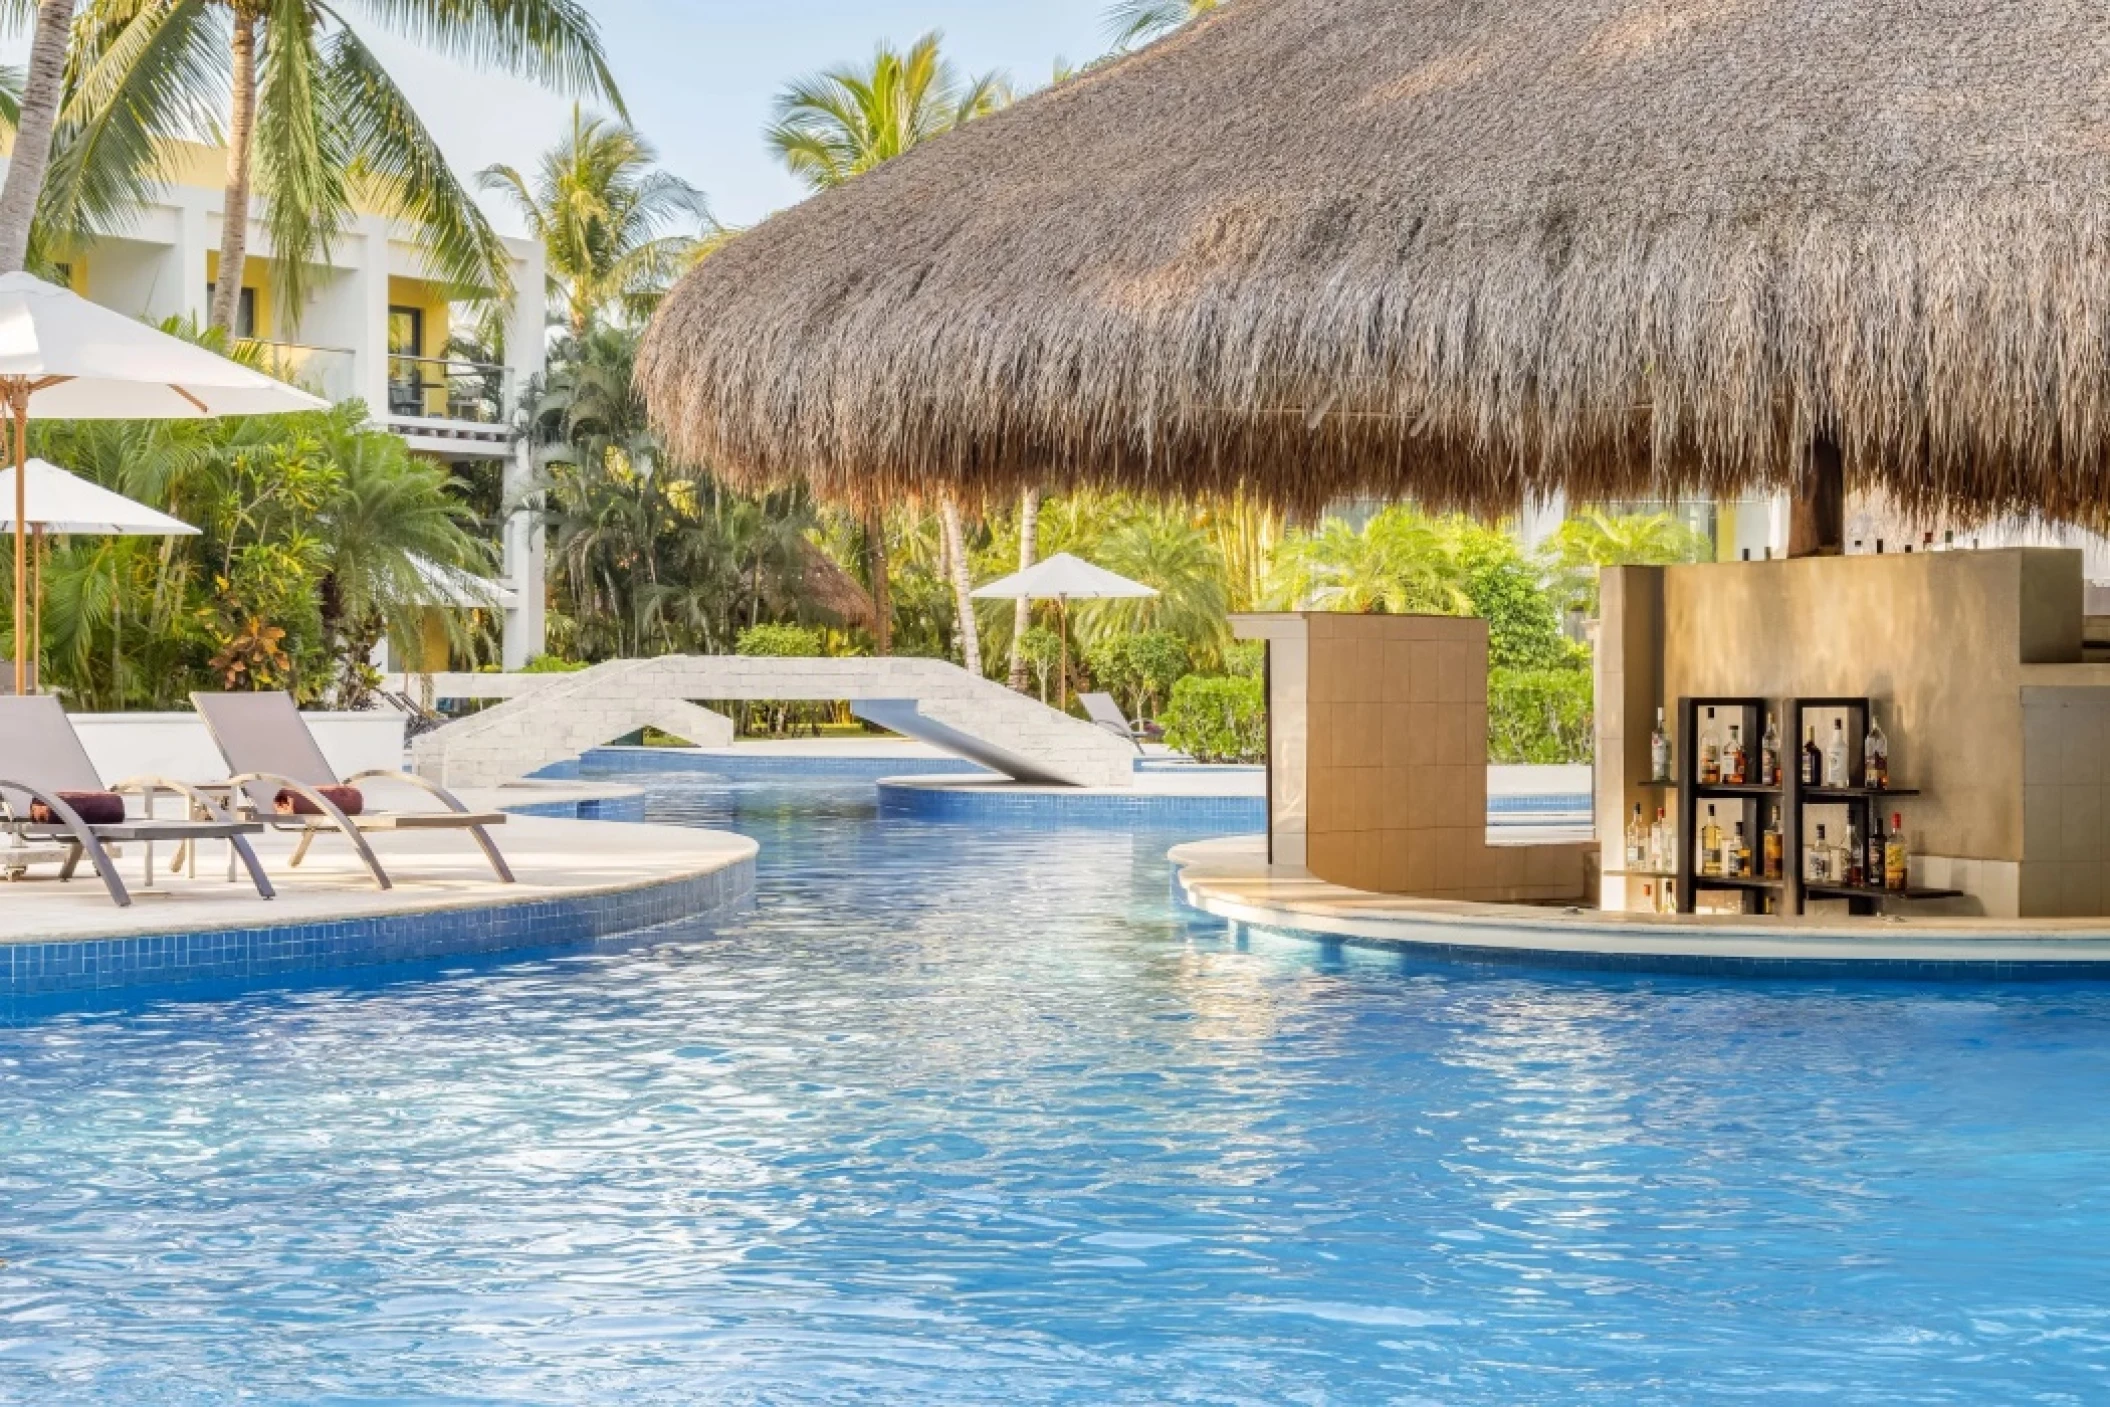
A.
pixel 417 293
pixel 256 274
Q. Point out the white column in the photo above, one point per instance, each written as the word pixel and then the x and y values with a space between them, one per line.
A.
pixel 525 561
pixel 197 235
pixel 369 343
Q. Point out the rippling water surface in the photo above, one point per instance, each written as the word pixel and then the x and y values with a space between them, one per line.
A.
pixel 974 1116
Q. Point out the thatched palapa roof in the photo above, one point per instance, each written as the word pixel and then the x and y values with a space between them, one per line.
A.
pixel 1457 250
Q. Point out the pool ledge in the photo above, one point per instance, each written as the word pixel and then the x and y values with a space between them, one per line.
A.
pixel 579 880
pixel 1231 879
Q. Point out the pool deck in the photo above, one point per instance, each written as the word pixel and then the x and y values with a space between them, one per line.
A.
pixel 1231 879
pixel 577 879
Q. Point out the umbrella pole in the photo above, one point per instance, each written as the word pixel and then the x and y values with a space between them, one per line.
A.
pixel 36 610
pixel 18 406
pixel 1062 685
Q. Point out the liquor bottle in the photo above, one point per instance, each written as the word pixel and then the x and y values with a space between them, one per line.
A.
pixel 1659 752
pixel 1710 754
pixel 1740 854
pixel 1875 756
pixel 1636 843
pixel 1873 867
pixel 1773 844
pixel 1897 856
pixel 1850 858
pixel 1812 761
pixel 1817 860
pixel 1734 760
pixel 1835 774
pixel 1710 845
pixel 1769 754
pixel 1663 851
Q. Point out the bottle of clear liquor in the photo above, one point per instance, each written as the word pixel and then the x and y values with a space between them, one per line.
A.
pixel 1875 756
pixel 1659 752
pixel 1734 761
pixel 1710 857
pixel 1835 758
pixel 1897 856
pixel 1636 842
pixel 1817 860
pixel 1769 754
pixel 1850 856
pixel 1662 850
pixel 1710 753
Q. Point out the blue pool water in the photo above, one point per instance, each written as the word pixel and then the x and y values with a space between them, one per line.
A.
pixel 969 1116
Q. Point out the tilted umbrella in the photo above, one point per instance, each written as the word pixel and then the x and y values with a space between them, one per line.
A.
pixel 65 358
pixel 61 504
pixel 1063 578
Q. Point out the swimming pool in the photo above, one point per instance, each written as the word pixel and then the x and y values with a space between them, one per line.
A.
pixel 974 1115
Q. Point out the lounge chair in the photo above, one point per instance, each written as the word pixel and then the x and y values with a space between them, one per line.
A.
pixel 280 777
pixel 51 792
pixel 1102 710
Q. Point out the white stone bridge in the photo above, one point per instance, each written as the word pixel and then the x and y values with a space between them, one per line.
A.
pixel 547 718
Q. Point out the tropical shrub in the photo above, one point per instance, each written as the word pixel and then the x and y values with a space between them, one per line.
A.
pixel 1216 719
pixel 553 664
pixel 1539 715
pixel 1245 659
pixel 778 642
pixel 1139 670
pixel 780 717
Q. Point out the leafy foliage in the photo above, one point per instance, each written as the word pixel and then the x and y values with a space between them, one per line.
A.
pixel 1539 715
pixel 1139 670
pixel 841 123
pixel 1585 544
pixel 1216 719
pixel 778 642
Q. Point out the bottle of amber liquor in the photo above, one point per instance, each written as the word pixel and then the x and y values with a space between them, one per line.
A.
pixel 1710 753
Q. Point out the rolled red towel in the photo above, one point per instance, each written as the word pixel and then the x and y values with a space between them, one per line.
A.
pixel 97 808
pixel 349 800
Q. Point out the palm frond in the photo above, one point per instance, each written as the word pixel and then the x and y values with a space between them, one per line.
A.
pixel 300 157
pixel 553 42
pixel 391 149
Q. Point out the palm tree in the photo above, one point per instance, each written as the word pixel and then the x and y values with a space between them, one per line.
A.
pixel 1399 562
pixel 1022 609
pixel 1139 21
pixel 610 225
pixel 1584 544
pixel 42 88
pixel 313 122
pixel 836 125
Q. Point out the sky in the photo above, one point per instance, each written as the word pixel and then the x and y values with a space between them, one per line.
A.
pixel 698 76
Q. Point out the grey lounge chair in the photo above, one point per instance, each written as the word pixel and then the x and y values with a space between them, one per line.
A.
pixel 1102 710
pixel 41 756
pixel 270 751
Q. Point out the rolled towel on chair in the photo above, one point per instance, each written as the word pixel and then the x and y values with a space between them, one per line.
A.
pixel 97 808
pixel 349 800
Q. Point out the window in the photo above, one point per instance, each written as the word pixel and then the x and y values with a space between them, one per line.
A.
pixel 245 310
pixel 406 332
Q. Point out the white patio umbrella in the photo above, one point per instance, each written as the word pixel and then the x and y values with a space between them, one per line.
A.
pixel 1063 578
pixel 60 504
pixel 65 358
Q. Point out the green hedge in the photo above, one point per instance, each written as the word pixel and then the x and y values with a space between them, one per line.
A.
pixel 1539 715
pixel 1217 720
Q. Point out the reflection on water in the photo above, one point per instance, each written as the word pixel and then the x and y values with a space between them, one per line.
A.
pixel 973 1115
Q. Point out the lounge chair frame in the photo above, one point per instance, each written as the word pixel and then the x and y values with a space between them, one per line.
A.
pixel 328 816
pixel 85 840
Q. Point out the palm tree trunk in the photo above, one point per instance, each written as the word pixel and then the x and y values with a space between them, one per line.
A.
pixel 1022 613
pixel 40 113
pixel 234 223
pixel 962 584
pixel 876 570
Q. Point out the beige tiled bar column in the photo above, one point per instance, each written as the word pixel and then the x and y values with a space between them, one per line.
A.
pixel 1378 761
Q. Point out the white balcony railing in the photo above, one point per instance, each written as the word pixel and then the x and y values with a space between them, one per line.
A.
pixel 328 372
pixel 432 388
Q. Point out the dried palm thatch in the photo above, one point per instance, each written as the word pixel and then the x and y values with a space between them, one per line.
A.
pixel 827 588
pixel 1459 251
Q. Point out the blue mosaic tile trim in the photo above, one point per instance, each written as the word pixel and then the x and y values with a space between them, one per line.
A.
pixel 1546 804
pixel 1150 810
pixel 629 761
pixel 1680 964
pixel 596 808
pixel 28 969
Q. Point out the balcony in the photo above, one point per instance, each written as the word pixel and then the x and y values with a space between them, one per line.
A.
pixel 450 407
pixel 328 372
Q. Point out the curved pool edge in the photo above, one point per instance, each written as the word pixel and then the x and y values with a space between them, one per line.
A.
pixel 1229 878
pixel 673 874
